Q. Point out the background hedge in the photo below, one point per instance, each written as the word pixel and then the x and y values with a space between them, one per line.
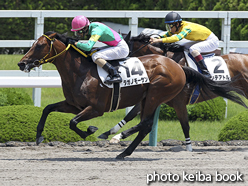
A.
pixel 19 123
pixel 210 110
pixel 236 128
pixel 14 96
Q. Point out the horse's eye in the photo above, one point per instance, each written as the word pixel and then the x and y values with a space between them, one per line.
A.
pixel 39 46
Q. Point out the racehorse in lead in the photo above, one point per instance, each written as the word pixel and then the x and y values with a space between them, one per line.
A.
pixel 87 97
pixel 237 65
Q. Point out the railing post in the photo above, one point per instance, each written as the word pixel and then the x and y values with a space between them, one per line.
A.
pixel 39 29
pixel 153 134
pixel 133 24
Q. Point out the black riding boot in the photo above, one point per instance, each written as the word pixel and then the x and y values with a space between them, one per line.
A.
pixel 203 68
pixel 113 73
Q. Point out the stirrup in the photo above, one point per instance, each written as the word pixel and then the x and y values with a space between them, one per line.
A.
pixel 115 79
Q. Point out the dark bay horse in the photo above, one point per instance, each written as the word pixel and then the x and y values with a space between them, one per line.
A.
pixel 236 63
pixel 87 97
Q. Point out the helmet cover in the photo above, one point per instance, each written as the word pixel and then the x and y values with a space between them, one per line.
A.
pixel 79 22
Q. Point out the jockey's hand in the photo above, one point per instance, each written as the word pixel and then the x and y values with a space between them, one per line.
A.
pixel 72 41
pixel 155 40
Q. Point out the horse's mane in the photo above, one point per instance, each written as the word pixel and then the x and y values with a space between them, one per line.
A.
pixel 172 47
pixel 62 37
pixel 141 38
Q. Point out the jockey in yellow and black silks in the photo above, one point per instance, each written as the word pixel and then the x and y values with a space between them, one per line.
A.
pixel 177 29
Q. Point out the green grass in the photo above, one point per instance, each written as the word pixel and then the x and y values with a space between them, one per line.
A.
pixel 9 62
pixel 199 131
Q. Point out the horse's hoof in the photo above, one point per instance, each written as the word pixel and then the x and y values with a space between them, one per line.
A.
pixel 114 140
pixel 103 136
pixel 39 140
pixel 189 148
pixel 120 157
pixel 91 130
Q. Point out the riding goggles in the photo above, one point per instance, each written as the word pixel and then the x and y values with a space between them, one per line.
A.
pixel 169 26
pixel 82 31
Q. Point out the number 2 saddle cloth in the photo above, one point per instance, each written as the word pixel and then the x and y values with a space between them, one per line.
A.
pixel 216 67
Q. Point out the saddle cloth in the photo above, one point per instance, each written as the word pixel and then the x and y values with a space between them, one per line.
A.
pixel 131 70
pixel 216 67
pixel 215 64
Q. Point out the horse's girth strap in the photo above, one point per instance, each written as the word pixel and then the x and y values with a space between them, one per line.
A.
pixel 115 97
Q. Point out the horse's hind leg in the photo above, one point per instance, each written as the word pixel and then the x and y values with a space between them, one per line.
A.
pixel 145 127
pixel 133 113
pixel 59 107
pixel 181 111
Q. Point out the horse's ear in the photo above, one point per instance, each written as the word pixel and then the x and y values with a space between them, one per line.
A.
pixel 53 35
pixel 127 38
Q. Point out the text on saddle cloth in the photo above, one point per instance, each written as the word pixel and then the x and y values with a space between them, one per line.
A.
pixel 215 64
pixel 131 70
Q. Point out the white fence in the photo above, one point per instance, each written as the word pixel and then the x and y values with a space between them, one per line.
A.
pixel 133 16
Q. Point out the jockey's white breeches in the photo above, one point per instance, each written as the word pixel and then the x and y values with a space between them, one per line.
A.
pixel 208 45
pixel 115 52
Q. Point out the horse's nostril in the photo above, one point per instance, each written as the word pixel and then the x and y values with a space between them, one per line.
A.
pixel 21 66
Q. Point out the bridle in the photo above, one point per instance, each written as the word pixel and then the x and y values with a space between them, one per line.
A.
pixel 39 62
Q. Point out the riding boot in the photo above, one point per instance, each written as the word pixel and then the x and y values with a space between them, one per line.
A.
pixel 203 68
pixel 114 74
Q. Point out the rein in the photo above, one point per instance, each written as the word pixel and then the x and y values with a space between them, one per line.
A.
pixel 139 49
pixel 43 60
pixel 142 46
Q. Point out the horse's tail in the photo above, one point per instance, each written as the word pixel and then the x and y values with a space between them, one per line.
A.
pixel 224 89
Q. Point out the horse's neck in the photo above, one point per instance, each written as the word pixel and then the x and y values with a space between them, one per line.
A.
pixel 177 56
pixel 140 50
pixel 156 50
pixel 72 66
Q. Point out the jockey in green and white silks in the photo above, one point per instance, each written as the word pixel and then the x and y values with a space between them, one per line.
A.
pixel 204 39
pixel 117 47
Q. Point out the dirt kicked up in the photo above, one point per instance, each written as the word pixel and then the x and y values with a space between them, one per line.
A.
pixel 63 164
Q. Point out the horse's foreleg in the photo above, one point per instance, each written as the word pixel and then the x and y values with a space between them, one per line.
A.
pixel 86 114
pixel 133 113
pixel 59 107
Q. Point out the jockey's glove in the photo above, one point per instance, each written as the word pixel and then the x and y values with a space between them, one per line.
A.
pixel 72 41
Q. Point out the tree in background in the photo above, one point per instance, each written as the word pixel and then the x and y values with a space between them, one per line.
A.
pixel 23 28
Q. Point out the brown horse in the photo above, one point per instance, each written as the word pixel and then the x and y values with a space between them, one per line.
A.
pixel 236 63
pixel 87 97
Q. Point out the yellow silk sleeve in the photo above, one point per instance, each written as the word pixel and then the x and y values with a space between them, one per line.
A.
pixel 94 38
pixel 171 39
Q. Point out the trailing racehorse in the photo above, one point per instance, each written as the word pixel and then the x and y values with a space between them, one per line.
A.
pixel 87 97
pixel 237 65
